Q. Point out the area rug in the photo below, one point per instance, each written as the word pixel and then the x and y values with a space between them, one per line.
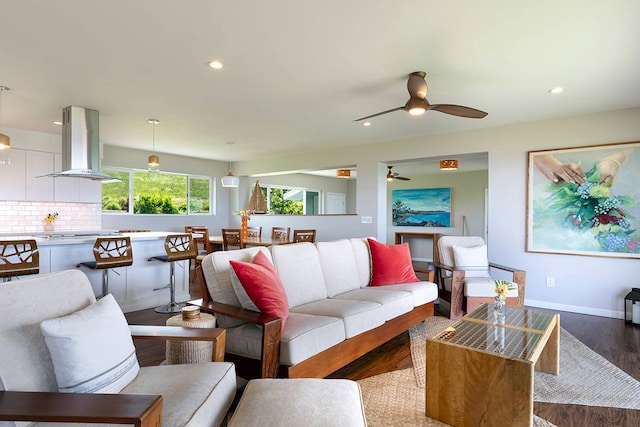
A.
pixel 394 399
pixel 586 378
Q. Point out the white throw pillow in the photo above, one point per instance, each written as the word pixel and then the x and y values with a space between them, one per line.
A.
pixel 92 350
pixel 473 260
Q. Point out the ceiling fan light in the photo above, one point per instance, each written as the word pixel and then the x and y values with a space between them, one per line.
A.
pixel 448 165
pixel 230 180
pixel 416 106
pixel 343 173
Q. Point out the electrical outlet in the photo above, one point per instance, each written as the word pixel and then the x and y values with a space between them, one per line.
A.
pixel 551 282
pixel 366 219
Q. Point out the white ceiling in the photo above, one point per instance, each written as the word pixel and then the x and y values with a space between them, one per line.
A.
pixel 297 73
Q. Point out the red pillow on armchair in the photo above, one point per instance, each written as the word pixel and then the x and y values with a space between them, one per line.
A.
pixel 390 264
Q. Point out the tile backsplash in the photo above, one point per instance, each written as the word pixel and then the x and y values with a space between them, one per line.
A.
pixel 28 217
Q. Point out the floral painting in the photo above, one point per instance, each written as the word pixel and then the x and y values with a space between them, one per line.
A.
pixel 585 201
pixel 425 207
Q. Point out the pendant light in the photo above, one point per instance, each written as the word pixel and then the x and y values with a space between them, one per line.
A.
pixel 448 165
pixel 154 161
pixel 229 180
pixel 5 141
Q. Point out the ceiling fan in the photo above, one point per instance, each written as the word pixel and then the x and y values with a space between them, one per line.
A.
pixel 394 175
pixel 418 104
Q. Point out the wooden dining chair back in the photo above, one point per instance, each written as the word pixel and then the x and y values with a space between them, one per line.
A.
pixel 280 233
pixel 304 236
pixel 18 258
pixel 231 239
pixel 255 232
pixel 200 235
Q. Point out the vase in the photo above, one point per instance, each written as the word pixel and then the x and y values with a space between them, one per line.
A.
pixel 48 226
pixel 499 310
pixel 244 228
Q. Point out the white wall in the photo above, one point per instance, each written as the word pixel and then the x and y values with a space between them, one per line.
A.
pixel 594 285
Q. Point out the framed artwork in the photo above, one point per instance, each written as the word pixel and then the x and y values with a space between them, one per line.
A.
pixel 424 207
pixel 585 201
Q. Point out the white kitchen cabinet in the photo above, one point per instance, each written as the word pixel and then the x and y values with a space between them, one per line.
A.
pixel 12 184
pixel 132 287
pixel 38 163
pixel 75 189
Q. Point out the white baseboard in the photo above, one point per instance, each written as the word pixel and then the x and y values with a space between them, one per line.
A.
pixel 574 309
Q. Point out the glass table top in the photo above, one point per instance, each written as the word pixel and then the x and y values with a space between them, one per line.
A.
pixel 517 338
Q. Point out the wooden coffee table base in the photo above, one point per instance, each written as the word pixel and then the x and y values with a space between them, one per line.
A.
pixel 468 386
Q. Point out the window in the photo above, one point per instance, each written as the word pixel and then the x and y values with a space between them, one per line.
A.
pixel 283 200
pixel 168 193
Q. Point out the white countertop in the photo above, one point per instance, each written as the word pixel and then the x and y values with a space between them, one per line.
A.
pixel 82 237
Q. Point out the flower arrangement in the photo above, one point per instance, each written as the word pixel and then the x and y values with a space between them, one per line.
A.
pixel 245 213
pixel 51 217
pixel 502 287
pixel 591 206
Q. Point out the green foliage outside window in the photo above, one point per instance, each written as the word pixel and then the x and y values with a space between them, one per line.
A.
pixel 160 194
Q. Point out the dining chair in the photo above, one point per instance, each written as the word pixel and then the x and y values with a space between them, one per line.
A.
pixel 255 232
pixel 280 233
pixel 201 240
pixel 304 236
pixel 231 239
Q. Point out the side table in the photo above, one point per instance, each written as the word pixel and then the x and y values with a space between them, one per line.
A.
pixel 179 352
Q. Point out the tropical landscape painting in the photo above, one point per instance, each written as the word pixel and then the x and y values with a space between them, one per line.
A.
pixel 424 207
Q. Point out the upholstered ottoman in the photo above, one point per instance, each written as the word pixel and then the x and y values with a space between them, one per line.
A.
pixel 300 402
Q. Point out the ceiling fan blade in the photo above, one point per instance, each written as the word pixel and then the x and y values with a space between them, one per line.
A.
pixel 402 178
pixel 458 110
pixel 379 114
pixel 416 85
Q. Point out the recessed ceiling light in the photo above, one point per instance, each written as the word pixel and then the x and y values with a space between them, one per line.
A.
pixel 556 90
pixel 366 124
pixel 57 122
pixel 216 65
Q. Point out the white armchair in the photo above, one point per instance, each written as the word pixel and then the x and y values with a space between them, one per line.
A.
pixel 30 368
pixel 463 275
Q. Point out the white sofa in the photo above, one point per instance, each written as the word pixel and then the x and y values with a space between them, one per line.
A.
pixel 334 316
pixel 191 395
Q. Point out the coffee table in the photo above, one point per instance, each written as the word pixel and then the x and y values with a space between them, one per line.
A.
pixel 481 374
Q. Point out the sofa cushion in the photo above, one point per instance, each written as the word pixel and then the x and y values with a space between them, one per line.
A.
pixel 304 336
pixel 423 292
pixel 299 269
pixel 193 395
pixel 473 260
pixel 357 316
pixel 262 285
pixel 92 350
pixel 360 248
pixel 215 268
pixel 390 264
pixel 394 302
pixel 339 266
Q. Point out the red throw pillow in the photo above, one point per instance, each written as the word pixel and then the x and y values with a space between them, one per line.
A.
pixel 390 264
pixel 262 284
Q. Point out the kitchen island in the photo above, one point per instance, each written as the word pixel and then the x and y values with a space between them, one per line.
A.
pixel 133 286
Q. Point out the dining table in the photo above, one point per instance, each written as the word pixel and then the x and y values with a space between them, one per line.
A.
pixel 216 241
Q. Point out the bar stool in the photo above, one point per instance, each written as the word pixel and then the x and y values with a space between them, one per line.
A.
pixel 178 247
pixel 18 258
pixel 109 252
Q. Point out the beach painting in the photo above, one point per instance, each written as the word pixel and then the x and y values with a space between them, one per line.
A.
pixel 423 207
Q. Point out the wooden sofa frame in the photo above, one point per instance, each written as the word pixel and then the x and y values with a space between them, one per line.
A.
pixel 319 365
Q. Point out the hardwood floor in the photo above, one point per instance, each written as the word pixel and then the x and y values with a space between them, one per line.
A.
pixel 612 338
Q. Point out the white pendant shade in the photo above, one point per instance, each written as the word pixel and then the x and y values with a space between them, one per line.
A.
pixel 230 180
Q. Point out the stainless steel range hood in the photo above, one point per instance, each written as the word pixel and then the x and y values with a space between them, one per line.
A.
pixel 81 145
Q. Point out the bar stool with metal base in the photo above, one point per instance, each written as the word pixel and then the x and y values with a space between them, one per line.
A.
pixel 109 252
pixel 178 247
pixel 18 258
